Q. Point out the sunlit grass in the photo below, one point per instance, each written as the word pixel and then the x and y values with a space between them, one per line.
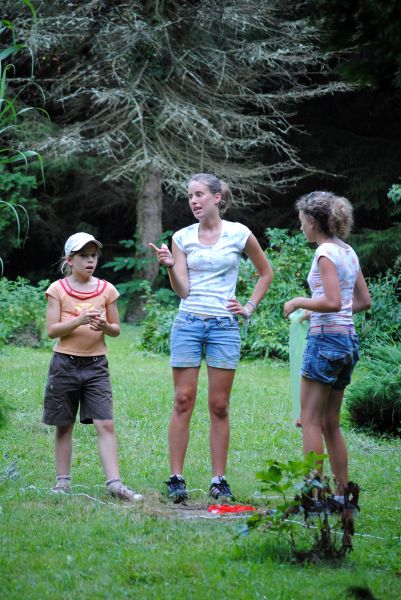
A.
pixel 78 547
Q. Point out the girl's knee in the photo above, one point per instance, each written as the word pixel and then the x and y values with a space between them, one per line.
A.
pixel 106 426
pixel 183 402
pixel 219 409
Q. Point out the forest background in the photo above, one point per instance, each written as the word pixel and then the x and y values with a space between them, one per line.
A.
pixel 130 98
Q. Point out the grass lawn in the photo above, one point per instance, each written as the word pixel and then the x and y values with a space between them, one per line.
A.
pixel 84 546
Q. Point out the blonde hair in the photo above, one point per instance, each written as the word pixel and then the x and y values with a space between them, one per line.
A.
pixel 333 214
pixel 216 186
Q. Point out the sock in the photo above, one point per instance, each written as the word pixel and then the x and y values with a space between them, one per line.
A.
pixel 62 477
pixel 176 475
pixel 339 499
pixel 216 478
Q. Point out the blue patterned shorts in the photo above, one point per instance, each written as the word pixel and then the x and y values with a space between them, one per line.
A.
pixel 217 338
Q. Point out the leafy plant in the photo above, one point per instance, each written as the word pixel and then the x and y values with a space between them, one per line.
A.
pixel 291 258
pixel 161 307
pixel 374 400
pixel 15 191
pixel 135 261
pixel 299 485
pixel 23 311
pixel 384 318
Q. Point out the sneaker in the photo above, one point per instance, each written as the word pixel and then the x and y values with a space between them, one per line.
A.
pixel 176 489
pixel 62 484
pixel 117 489
pixel 221 490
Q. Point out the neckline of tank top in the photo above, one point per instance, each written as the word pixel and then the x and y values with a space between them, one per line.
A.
pixel 100 286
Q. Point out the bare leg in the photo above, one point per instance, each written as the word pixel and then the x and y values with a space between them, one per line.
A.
pixel 107 447
pixel 334 439
pixel 314 397
pixel 220 384
pixel 185 387
pixel 63 448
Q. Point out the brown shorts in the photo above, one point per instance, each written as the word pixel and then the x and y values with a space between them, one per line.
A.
pixel 77 381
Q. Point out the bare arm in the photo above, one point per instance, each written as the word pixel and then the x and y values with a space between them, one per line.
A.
pixel 265 276
pixel 55 328
pixel 330 301
pixel 361 300
pixel 176 262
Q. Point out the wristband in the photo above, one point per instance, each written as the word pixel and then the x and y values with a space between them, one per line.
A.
pixel 252 304
pixel 171 266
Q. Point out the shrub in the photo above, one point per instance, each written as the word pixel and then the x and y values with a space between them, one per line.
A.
pixel 291 258
pixel 161 308
pixel 384 318
pixel 374 400
pixel 23 308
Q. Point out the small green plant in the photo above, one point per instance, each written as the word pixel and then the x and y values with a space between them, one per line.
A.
pixel 374 400
pixel 301 487
pixel 23 308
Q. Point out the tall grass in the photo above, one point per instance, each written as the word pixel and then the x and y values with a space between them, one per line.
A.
pixel 85 546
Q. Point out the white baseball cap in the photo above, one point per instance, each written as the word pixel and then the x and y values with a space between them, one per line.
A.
pixel 79 240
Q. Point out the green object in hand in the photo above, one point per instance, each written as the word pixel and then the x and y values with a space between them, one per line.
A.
pixel 298 333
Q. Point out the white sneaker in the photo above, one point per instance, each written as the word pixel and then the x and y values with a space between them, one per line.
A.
pixel 115 488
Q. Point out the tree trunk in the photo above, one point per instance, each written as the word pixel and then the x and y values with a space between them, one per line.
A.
pixel 149 228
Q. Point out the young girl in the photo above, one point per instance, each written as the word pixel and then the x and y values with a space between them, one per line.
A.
pixel 338 290
pixel 203 270
pixel 81 310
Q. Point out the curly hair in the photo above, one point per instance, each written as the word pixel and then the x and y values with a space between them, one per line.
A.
pixel 333 214
pixel 216 186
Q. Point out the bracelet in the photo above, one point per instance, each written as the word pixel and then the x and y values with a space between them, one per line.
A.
pixel 248 314
pixel 171 266
pixel 252 304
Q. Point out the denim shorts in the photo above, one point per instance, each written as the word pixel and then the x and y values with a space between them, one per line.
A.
pixel 217 338
pixel 77 382
pixel 331 358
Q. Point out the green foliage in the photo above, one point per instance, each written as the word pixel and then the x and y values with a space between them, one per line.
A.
pixel 161 308
pixel 291 258
pixel 377 250
pixel 23 308
pixel 136 262
pixel 374 400
pixel 384 318
pixel 298 484
pixel 16 204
